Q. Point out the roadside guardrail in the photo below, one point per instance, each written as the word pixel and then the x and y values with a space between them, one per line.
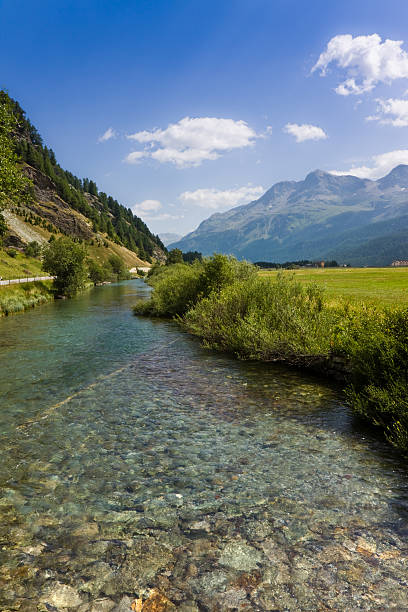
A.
pixel 16 281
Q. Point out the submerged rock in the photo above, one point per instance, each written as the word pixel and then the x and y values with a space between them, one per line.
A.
pixel 240 556
pixel 62 596
pixel 124 605
pixel 157 602
pixel 99 605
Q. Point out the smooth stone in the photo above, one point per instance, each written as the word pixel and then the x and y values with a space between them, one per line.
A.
pixel 103 576
pixel 258 530
pixel 231 599
pixel 240 556
pixel 124 605
pixel 62 596
pixel 209 583
pixel 175 499
pixel 200 526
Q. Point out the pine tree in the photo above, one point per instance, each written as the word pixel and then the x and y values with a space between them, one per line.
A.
pixel 14 186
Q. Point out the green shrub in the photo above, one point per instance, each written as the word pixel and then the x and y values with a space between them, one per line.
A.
pixel 174 256
pixel 180 286
pixel 376 344
pixel 118 267
pixel 3 226
pixel 65 259
pixel 33 249
pixel 12 253
pixel 260 319
pixel 175 290
pixel 97 272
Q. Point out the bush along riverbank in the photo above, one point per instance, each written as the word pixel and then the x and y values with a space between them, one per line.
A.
pixel 17 298
pixel 226 304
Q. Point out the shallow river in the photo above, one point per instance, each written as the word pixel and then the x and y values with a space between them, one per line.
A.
pixel 133 460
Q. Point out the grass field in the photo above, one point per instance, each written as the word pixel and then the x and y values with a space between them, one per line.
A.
pixel 20 266
pixel 380 286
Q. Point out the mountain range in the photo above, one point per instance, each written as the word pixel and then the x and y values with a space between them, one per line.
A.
pixel 325 216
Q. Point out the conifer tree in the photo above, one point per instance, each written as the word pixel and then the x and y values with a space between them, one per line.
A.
pixel 14 186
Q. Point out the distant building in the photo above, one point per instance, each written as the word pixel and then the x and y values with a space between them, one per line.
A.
pixel 399 263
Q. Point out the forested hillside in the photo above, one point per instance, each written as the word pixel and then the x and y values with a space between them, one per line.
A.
pixel 59 201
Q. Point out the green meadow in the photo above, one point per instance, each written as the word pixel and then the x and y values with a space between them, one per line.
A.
pixel 377 286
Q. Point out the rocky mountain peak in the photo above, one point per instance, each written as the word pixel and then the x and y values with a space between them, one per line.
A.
pixel 397 177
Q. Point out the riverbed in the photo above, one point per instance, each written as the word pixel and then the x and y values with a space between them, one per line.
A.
pixel 136 465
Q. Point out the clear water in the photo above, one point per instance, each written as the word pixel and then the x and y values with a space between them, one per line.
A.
pixel 132 459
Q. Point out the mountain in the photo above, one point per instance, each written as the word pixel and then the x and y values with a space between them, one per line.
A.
pixel 169 238
pixel 359 221
pixel 62 203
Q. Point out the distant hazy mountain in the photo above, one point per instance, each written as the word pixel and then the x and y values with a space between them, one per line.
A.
pixel 356 220
pixel 169 238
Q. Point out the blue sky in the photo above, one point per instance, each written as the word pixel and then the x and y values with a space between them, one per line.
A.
pixel 184 108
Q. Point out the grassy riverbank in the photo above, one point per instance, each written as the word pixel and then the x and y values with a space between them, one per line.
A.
pixel 277 318
pixel 17 298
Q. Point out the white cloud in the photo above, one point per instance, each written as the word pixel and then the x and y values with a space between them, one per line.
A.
pixel 149 210
pixel 380 166
pixel 193 140
pixel 182 159
pixel 306 131
pixel 366 61
pixel 110 133
pixel 393 111
pixel 218 199
pixel 147 206
pixel 135 157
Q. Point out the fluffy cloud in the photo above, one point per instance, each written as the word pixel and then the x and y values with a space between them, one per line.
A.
pixel 393 111
pixel 135 157
pixel 365 60
pixel 149 209
pixel 380 166
pixel 147 206
pixel 193 140
pixel 110 133
pixel 218 199
pixel 306 131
